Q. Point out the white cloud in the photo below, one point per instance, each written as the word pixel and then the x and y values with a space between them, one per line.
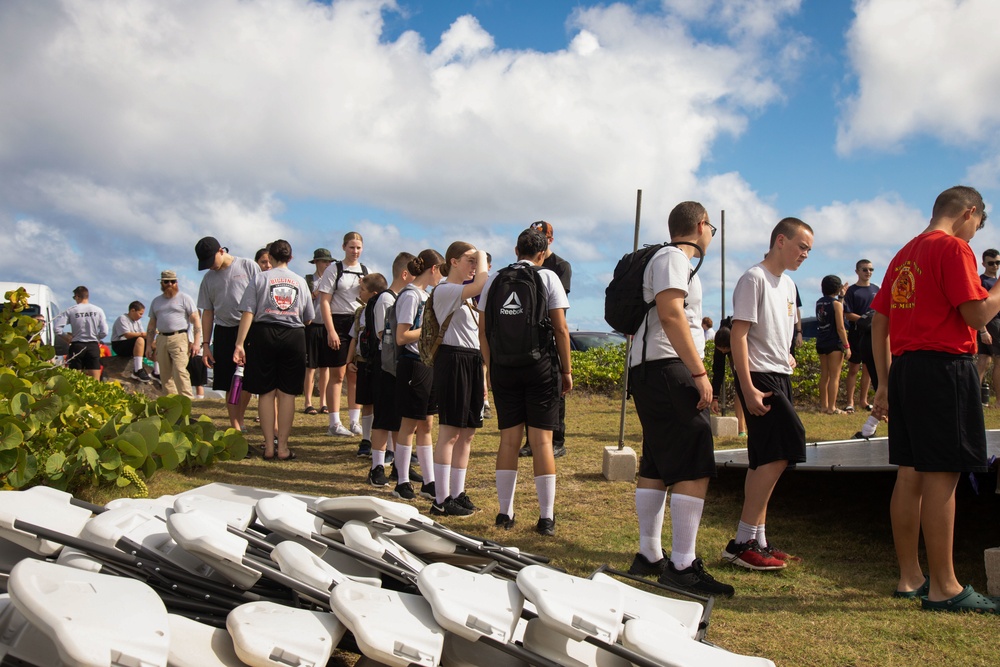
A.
pixel 922 67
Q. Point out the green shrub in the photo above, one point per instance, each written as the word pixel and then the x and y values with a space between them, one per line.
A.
pixel 64 429
pixel 599 369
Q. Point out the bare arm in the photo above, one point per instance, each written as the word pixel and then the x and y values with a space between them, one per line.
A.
pixel 151 336
pixel 207 321
pixel 239 354
pixel 882 356
pixel 741 361
pixel 475 288
pixel 561 331
pixel 670 309
pixel 838 317
pixel 332 339
pixel 977 313
pixel 195 321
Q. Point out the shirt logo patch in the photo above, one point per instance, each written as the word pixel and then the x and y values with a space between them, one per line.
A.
pixel 904 286
pixel 283 297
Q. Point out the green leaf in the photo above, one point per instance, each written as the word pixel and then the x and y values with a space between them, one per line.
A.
pixel 10 436
pixel 171 408
pixel 8 459
pixel 148 428
pixel 59 385
pixel 47 409
pixel 133 448
pixel 167 453
pixel 54 464
pixel 111 459
pixel 24 471
pixel 90 456
pixel 21 403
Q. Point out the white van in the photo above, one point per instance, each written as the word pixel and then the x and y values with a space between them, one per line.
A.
pixel 41 301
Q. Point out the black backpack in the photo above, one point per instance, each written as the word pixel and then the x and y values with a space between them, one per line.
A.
pixel 518 327
pixel 368 340
pixel 390 350
pixel 341 272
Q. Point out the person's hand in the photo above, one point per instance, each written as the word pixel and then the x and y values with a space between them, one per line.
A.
pixel 704 388
pixel 880 406
pixel 192 350
pixel 715 407
pixel 567 383
pixel 986 338
pixel 352 367
pixel 239 356
pixel 333 341
pixel 208 358
pixel 755 402
pixel 797 341
pixel 792 362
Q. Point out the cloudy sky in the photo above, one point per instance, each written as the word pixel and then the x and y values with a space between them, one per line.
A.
pixel 131 128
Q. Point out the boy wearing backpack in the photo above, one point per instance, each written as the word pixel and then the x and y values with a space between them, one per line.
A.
pixel 357 361
pixel 672 395
pixel 525 344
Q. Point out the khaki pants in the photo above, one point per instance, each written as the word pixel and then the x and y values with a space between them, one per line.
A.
pixel 172 353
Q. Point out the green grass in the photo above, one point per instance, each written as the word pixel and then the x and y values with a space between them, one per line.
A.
pixel 832 609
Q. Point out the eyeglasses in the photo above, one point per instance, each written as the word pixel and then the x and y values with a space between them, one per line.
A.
pixel 168 282
pixel 711 226
pixel 992 263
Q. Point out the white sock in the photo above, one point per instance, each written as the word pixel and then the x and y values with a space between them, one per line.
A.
pixel 545 489
pixel 506 483
pixel 366 427
pixel 868 430
pixel 136 364
pixel 334 418
pixel 649 505
pixel 761 537
pixel 402 462
pixel 156 367
pixel 425 457
pixel 354 414
pixel 457 482
pixel 745 532
pixel 390 443
pixel 685 517
pixel 442 473
pixel 378 458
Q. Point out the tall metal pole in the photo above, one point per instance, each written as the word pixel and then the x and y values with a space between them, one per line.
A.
pixel 628 339
pixel 722 242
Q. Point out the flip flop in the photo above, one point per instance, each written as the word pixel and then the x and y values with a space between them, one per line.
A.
pixel 849 409
pixel 291 457
pixel 917 593
pixel 323 410
pixel 310 410
pixel 967 600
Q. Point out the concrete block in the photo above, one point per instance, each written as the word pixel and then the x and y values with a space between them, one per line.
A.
pixel 725 427
pixel 992 558
pixel 620 465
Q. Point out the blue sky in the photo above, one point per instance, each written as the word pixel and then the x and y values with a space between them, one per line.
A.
pixel 129 130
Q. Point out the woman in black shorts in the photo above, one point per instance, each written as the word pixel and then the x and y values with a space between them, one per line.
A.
pixel 278 305
pixel 339 289
pixel 458 376
pixel 831 342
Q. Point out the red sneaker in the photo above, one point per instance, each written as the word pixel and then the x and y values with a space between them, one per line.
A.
pixel 775 552
pixel 750 556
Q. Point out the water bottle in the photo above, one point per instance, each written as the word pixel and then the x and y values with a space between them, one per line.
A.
pixel 236 386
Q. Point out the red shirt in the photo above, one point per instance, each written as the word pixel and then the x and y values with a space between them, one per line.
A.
pixel 928 279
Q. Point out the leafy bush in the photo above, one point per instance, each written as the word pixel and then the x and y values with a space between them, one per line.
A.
pixel 64 429
pixel 599 369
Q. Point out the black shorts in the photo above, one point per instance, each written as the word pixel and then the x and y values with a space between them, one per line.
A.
pixel 828 348
pixel 343 324
pixel 778 434
pixel 993 349
pixel 414 389
pixel 854 340
pixel 276 359
pixel 527 395
pixel 198 371
pixel 386 417
pixel 935 414
pixel 124 348
pixel 223 347
pixel 458 386
pixel 319 354
pixel 364 394
pixel 85 356
pixel 677 443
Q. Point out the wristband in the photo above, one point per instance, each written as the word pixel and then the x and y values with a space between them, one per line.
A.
pixel 700 375
pixel 567 372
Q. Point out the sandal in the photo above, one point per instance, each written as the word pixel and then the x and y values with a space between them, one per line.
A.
pixel 849 409
pixel 967 600
pixel 918 593
pixel 323 410
pixel 310 410
pixel 291 456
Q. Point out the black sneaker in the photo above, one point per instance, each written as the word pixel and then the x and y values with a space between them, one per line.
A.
pixel 449 508
pixel 504 521
pixel 389 456
pixel 558 451
pixel 694 579
pixel 404 491
pixel 546 527
pixel 414 475
pixel 524 451
pixel 427 490
pixel 142 376
pixel 365 449
pixel 643 568
pixel 376 476
pixel 463 500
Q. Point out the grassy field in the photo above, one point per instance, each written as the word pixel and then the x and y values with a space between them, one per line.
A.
pixel 832 609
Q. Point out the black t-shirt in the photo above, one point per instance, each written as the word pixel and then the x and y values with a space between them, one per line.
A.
pixel 561 268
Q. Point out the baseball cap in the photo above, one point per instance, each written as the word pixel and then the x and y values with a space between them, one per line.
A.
pixel 206 249
pixel 543 227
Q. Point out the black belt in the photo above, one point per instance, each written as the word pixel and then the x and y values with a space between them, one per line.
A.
pixel 173 333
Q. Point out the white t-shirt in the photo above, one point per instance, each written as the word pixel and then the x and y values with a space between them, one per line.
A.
pixel 669 268
pixel 766 301
pixel 409 301
pixel 556 295
pixel 221 291
pixel 463 331
pixel 385 300
pixel 345 299
pixel 124 325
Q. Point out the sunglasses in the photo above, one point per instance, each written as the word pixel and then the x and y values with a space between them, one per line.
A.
pixel 992 263
pixel 168 282
pixel 868 270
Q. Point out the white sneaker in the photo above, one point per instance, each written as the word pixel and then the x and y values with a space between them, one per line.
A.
pixel 356 428
pixel 338 430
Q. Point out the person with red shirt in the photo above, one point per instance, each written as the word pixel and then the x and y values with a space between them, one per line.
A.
pixel 926 316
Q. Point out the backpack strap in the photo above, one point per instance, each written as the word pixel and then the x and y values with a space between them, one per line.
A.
pixel 341 272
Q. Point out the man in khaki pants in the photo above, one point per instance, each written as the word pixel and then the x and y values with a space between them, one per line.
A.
pixel 170 314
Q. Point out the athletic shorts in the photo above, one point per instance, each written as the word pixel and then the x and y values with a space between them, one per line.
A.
pixel 319 354
pixel 343 324
pixel 85 356
pixel 527 394
pixel 935 414
pixel 458 386
pixel 993 349
pixel 198 371
pixel 778 434
pixel 276 359
pixel 386 416
pixel 124 348
pixel 364 393
pixel 414 389
pixel 829 348
pixel 223 347
pixel 677 443
pixel 854 340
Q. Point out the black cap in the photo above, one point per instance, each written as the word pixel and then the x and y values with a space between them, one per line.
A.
pixel 206 249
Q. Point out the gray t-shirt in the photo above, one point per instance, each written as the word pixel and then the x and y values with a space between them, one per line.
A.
pixel 222 290
pixel 409 304
pixel 87 321
pixel 279 296
pixel 766 301
pixel 172 314
pixel 463 330
pixel 124 325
